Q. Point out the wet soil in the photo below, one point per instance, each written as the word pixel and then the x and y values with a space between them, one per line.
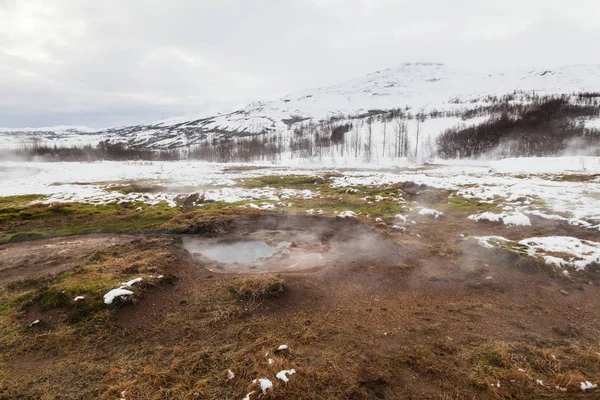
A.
pixel 39 258
pixel 378 291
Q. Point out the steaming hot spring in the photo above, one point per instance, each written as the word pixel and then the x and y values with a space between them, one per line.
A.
pixel 288 244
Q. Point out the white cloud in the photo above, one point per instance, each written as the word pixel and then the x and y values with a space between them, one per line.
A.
pixel 118 62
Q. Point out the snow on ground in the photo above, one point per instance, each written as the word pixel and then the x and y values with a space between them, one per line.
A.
pixel 562 251
pixel 347 214
pixel 265 385
pixel 428 212
pixel 587 385
pixel 487 216
pixel 546 165
pixel 489 242
pixel 582 252
pixel 570 221
pixel 132 282
pixel 284 375
pixel 473 180
pixel 113 294
pixel 516 219
pixel 531 186
pixel 511 219
pixel 401 218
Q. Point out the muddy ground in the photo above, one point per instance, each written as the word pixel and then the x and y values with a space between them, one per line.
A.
pixel 422 314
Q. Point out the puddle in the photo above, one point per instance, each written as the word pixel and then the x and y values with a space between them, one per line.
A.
pixel 231 252
pixel 257 252
pixel 290 245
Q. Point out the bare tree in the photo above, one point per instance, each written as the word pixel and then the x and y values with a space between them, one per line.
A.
pixel 369 144
pixel 384 137
pixel 420 118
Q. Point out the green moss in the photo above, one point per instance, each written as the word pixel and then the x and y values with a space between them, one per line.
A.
pixel 384 209
pixel 22 237
pixel 30 222
pixel 50 298
pixel 489 359
pixel 6 302
pixel 286 181
pixel 85 310
pixel 137 188
pixel 462 204
pixel 59 293
pixel 8 202
pixel 219 205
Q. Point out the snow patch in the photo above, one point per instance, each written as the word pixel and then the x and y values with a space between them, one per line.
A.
pixel 283 375
pixel 131 282
pixel 401 217
pixel 587 385
pixel 516 219
pixel 576 253
pixel 265 385
pixel 490 242
pixel 486 216
pixel 430 212
pixel 113 294
pixel 512 219
pixel 347 214
pixel 583 252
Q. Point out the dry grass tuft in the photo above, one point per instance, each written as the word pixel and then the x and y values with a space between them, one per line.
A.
pixel 257 288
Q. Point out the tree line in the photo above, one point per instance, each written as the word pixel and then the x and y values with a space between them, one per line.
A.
pixel 544 128
pixel 518 124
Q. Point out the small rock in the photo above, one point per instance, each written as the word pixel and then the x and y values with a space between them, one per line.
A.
pixel 563 291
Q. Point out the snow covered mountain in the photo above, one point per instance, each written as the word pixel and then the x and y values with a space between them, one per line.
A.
pixel 443 95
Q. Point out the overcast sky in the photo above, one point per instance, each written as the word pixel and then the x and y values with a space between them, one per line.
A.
pixel 116 62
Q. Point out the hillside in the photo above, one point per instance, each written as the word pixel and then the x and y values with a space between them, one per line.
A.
pixel 413 99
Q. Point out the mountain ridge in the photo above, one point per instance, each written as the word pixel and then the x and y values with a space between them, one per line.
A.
pixel 421 87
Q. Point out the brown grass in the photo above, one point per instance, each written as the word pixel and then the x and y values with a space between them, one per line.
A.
pixel 257 288
pixel 421 327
